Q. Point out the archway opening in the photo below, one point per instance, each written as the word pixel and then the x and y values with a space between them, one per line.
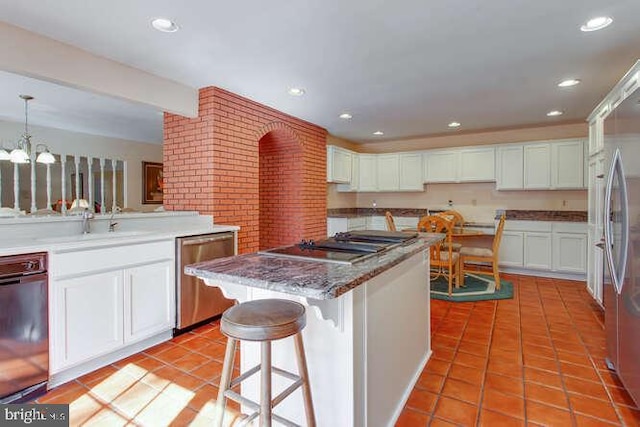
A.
pixel 280 189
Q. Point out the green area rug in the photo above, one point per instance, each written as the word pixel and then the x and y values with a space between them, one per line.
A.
pixel 477 287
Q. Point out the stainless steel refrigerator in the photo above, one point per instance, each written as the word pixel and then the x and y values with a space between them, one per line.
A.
pixel 622 243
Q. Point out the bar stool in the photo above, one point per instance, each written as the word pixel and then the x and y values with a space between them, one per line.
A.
pixel 263 321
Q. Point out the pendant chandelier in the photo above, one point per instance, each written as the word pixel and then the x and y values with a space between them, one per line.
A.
pixel 22 152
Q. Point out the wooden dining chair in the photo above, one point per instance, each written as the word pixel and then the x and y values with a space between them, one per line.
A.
pixel 473 254
pixel 391 225
pixel 458 221
pixel 444 260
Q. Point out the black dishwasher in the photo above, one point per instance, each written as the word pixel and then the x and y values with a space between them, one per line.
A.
pixel 24 339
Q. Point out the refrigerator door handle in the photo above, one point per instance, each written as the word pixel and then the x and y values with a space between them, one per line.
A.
pixel 617 274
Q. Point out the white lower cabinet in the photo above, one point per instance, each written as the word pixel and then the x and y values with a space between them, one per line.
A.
pixel 537 251
pixel 571 252
pixel 148 300
pixel 89 318
pixel 545 246
pixel 511 249
pixel 102 300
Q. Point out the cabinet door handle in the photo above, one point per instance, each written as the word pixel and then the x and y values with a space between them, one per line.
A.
pixel 600 176
pixel 600 245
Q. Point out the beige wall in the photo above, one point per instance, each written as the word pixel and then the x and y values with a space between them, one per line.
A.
pixel 344 143
pixel 477 201
pixel 62 141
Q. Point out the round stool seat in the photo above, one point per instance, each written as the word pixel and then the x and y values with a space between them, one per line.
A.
pixel 263 320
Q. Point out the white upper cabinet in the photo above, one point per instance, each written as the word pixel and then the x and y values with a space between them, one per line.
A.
pixel 547 165
pixel 537 166
pixel 460 165
pixel 441 166
pixel 567 164
pixel 510 167
pixel 368 172
pixel 353 185
pixel 477 165
pixel 596 131
pixel 411 172
pixel 541 166
pixel 338 164
pixel 388 172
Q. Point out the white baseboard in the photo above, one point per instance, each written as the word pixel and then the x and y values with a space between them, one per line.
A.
pixel 99 362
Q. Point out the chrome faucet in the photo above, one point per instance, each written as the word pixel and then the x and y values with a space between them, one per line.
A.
pixel 112 224
pixel 86 225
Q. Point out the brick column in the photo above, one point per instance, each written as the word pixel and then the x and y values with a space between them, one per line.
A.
pixel 212 165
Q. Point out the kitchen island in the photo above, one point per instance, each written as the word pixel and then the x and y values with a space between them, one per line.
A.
pixel 367 337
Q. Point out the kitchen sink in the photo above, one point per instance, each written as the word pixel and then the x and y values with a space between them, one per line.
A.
pixel 92 236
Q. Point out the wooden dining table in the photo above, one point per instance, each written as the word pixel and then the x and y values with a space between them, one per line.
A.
pixel 456 232
pixel 467 237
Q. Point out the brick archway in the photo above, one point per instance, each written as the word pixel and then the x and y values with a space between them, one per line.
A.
pixel 280 189
pixel 211 164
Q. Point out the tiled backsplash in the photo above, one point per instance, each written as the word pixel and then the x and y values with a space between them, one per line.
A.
pixel 513 215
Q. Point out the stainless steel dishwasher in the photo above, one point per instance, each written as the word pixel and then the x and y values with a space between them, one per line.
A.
pixel 24 330
pixel 197 302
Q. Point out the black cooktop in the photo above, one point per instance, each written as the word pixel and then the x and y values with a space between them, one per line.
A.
pixel 311 254
pixel 343 248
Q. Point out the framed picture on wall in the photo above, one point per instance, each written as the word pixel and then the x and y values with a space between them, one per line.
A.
pixel 152 184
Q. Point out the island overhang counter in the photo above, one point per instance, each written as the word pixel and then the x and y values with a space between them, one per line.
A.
pixel 367 337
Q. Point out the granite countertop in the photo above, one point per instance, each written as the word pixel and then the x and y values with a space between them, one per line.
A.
pixel 311 279
pixel 559 216
pixel 511 214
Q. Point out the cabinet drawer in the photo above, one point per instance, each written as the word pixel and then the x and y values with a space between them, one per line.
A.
pixel 570 227
pixel 80 262
pixel 534 226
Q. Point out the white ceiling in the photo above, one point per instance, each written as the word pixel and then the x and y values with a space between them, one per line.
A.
pixel 406 67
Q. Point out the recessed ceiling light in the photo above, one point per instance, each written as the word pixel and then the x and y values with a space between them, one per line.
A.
pixel 554 113
pixel 454 125
pixel 296 91
pixel 346 116
pixel 596 24
pixel 165 25
pixel 569 83
pixel 378 132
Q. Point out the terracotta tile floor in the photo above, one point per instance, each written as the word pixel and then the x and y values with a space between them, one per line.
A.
pixel 537 359
pixel 534 360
